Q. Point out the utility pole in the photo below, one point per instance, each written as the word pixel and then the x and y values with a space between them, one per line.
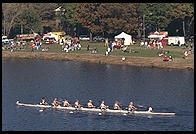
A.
pixel 183 23
pixel 144 27
pixel 21 26
pixel 4 28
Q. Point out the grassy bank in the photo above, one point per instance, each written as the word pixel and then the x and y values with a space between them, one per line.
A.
pixel 136 50
pixel 137 57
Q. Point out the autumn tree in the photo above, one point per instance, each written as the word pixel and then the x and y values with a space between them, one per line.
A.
pixel 118 17
pixel 86 14
pixel 108 18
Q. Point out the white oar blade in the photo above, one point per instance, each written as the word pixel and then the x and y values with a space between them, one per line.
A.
pixel 100 114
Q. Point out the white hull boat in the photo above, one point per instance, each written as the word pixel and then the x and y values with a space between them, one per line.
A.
pixel 96 109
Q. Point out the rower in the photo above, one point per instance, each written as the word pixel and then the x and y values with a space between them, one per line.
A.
pixel 116 106
pixel 43 101
pixel 131 107
pixel 77 105
pixel 150 109
pixel 56 102
pixel 103 106
pixel 66 103
pixel 90 104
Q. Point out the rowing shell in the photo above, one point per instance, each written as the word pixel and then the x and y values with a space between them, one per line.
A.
pixel 95 109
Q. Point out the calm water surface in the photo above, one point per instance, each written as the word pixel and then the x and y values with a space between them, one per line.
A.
pixel 30 80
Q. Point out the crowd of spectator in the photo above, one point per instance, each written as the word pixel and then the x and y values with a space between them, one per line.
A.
pixel 71 45
pixel 152 44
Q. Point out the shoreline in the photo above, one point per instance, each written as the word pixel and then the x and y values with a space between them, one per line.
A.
pixel 177 63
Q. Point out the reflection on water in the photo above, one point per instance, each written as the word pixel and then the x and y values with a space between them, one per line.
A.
pixel 29 80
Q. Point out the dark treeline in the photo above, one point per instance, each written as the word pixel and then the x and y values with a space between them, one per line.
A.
pixel 105 19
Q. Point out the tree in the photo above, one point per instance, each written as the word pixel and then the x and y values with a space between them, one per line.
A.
pixel 157 15
pixel 46 13
pixel 67 16
pixel 29 19
pixel 118 17
pixel 182 10
pixel 10 12
pixel 86 14
pixel 108 18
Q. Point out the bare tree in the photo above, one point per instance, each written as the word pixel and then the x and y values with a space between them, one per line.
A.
pixel 10 12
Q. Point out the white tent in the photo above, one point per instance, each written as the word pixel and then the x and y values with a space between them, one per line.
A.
pixel 156 36
pixel 127 37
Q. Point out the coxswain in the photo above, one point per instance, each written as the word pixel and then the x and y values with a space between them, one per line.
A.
pixel 56 102
pixel 66 103
pixel 77 105
pixel 43 101
pixel 90 104
pixel 131 107
pixel 116 106
pixel 150 109
pixel 103 106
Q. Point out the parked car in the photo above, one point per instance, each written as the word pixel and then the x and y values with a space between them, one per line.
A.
pixel 98 38
pixel 5 40
pixel 84 37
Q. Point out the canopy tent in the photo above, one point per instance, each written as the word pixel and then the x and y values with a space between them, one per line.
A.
pixel 156 36
pixel 127 37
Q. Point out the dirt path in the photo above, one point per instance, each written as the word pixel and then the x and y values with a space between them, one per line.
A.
pixel 177 63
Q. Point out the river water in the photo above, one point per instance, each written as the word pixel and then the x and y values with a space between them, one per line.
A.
pixel 29 80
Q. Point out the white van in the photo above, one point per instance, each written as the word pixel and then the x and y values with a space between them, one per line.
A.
pixel 174 40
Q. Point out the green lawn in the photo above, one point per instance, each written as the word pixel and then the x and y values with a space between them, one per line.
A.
pixel 136 50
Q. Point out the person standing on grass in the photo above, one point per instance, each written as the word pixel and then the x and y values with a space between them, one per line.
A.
pixel 32 48
pixel 106 42
pixel 185 54
pixel 142 43
pixel 110 45
pixel 145 44
pixel 106 53
pixel 87 48
pixel 179 43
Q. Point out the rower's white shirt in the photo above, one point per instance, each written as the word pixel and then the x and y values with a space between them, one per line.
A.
pixel 150 109
pixel 116 105
pixel 76 103
pixel 90 104
pixel 102 105
pixel 66 102
pixel 130 106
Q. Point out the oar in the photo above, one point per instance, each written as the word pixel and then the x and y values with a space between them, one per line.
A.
pixel 141 106
pixel 102 110
pixel 41 110
pixel 77 108
pixel 99 113
pixel 71 112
